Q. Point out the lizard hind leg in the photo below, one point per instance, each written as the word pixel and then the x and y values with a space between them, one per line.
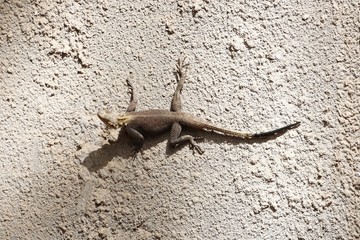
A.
pixel 176 140
pixel 181 70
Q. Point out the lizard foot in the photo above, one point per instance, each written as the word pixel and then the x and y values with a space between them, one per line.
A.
pixel 181 65
pixel 194 146
pixel 135 152
pixel 130 86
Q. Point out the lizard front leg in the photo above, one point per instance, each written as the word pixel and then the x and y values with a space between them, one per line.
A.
pixel 176 140
pixel 133 100
pixel 136 137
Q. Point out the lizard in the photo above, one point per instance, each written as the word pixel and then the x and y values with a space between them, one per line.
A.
pixel 155 121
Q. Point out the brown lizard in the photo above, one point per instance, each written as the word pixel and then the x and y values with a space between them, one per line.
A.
pixel 156 121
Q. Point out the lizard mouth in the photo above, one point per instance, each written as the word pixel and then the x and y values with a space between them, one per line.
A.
pixel 113 119
pixel 106 117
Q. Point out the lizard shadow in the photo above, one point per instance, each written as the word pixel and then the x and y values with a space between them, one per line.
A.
pixel 123 147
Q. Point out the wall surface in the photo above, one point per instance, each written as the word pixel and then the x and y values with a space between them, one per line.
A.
pixel 254 66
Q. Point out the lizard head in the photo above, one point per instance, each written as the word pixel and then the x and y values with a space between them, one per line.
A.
pixel 113 119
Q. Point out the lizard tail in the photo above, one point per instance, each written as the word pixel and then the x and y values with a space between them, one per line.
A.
pixel 276 131
pixel 246 135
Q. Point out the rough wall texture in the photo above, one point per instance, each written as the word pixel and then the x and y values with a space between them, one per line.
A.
pixel 255 65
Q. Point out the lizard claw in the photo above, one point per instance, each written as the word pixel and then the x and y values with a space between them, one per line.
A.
pixel 135 151
pixel 181 64
pixel 193 145
pixel 130 89
pixel 129 83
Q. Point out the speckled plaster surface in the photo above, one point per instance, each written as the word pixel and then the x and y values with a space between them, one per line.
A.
pixel 254 65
